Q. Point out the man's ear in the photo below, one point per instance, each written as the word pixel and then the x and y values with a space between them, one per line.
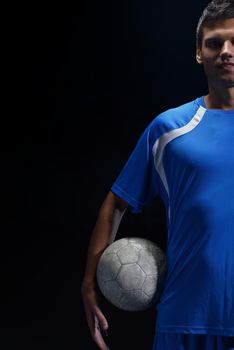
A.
pixel 199 56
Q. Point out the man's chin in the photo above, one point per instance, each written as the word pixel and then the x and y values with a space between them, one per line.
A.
pixel 223 81
pixel 229 84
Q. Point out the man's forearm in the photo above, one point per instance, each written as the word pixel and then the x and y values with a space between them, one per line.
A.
pixel 104 232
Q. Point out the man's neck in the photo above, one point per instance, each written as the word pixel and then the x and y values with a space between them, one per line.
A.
pixel 220 99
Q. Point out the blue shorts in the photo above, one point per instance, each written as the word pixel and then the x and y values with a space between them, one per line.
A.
pixel 177 341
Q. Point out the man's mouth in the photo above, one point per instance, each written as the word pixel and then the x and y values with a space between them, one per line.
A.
pixel 227 66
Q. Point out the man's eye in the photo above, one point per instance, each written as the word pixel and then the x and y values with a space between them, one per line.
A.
pixel 214 44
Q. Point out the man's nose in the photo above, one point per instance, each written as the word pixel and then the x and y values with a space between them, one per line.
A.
pixel 227 50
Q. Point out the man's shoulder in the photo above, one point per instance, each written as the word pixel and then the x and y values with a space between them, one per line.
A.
pixel 185 108
pixel 177 116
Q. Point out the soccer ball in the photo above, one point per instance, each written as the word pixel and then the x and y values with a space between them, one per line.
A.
pixel 130 273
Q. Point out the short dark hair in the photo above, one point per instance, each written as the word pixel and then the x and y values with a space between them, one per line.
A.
pixel 214 11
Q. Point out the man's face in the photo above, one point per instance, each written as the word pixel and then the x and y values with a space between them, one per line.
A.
pixel 217 52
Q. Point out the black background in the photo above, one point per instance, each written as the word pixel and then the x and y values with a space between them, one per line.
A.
pixel 78 91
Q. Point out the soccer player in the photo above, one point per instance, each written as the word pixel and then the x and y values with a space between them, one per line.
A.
pixel 185 156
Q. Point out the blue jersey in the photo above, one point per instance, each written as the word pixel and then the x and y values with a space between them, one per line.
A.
pixel 185 156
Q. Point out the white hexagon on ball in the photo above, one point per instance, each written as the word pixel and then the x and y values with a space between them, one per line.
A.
pixel 131 277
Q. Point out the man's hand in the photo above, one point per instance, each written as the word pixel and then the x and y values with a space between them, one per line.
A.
pixel 96 320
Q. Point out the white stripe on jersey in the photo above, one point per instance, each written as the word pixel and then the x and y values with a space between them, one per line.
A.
pixel 162 141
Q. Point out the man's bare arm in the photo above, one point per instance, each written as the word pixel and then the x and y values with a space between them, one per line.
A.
pixel 103 234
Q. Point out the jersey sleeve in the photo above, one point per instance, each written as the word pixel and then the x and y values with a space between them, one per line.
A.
pixel 138 182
